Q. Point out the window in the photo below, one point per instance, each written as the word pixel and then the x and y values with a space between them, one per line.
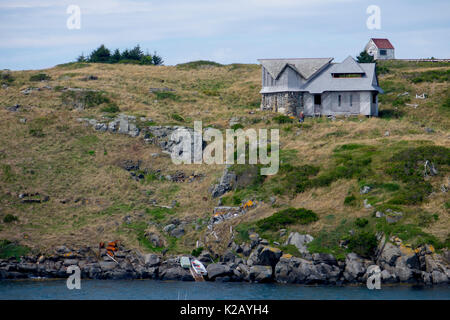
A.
pixel 383 52
pixel 351 100
pixel 339 100
pixel 374 98
pixel 317 99
pixel 347 75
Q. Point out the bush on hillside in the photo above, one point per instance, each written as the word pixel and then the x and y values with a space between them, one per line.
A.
pixel 287 217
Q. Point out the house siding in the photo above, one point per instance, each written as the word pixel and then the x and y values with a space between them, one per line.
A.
pixel 389 54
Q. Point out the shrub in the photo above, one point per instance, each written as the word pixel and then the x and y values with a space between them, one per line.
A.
pixel 37 132
pixel 177 117
pixel 196 252
pixel 111 108
pixel 161 95
pixel 12 250
pixel 237 126
pixel 10 218
pixel 287 217
pixel 84 99
pixel 363 243
pixel 40 77
pixel 6 77
pixel 350 200
pixel 282 119
pixel 361 222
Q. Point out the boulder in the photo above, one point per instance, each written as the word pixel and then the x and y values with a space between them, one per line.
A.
pixel 151 260
pixel 390 254
pixel 439 277
pixel 217 270
pixel 324 258
pixel 225 184
pixel 265 256
pixel 299 241
pixel 260 273
pixel 177 232
pixel 175 273
pixel 354 267
pixel 169 227
pixel 296 270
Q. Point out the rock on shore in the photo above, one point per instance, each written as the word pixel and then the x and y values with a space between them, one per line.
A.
pixel 257 262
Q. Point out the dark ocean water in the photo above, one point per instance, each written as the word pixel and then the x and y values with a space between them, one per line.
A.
pixel 161 290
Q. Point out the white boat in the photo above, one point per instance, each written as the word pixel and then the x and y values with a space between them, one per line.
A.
pixel 198 267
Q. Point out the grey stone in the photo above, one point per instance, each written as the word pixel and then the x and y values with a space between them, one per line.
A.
pixel 390 254
pixel 217 270
pixel 299 241
pixel 169 228
pixel 260 273
pixel 177 232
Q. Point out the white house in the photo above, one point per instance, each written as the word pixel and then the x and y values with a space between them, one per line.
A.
pixel 380 49
pixel 319 87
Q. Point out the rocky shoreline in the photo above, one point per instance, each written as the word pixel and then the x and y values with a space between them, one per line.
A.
pixel 255 262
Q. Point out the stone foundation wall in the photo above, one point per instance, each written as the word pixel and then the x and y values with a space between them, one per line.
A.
pixel 288 103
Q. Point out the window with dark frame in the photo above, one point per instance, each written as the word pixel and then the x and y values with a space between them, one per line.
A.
pixel 383 52
pixel 351 100
pixel 339 100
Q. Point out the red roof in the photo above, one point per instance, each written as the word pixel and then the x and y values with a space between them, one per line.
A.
pixel 383 43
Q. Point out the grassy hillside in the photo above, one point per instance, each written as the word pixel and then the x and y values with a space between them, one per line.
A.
pixel 325 163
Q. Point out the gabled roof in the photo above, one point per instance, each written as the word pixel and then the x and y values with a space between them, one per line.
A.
pixel 324 81
pixel 349 65
pixel 305 67
pixel 383 43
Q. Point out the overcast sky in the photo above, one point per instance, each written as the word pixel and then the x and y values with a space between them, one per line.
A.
pixel 34 34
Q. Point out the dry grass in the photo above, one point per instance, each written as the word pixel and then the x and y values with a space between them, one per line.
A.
pixel 73 162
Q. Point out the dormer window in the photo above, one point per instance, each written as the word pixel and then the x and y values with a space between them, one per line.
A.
pixel 347 75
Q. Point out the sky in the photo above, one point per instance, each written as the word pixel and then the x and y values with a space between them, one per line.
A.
pixel 34 33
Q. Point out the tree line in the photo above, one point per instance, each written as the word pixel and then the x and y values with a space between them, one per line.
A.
pixel 135 55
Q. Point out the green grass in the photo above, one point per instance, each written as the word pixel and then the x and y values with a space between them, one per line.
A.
pixel 286 217
pixel 166 95
pixel 429 76
pixel 159 214
pixel 198 64
pixel 12 250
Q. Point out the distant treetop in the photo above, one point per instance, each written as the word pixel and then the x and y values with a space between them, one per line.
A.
pixel 134 56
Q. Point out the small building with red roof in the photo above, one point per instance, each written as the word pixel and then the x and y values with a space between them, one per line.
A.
pixel 380 49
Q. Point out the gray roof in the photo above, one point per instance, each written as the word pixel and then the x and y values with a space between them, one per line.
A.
pixel 324 81
pixel 304 66
pixel 349 65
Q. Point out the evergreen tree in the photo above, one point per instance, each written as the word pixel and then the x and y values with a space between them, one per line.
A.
pixel 364 57
pixel 101 54
pixel 136 53
pixel 157 60
pixel 116 57
pixel 81 58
